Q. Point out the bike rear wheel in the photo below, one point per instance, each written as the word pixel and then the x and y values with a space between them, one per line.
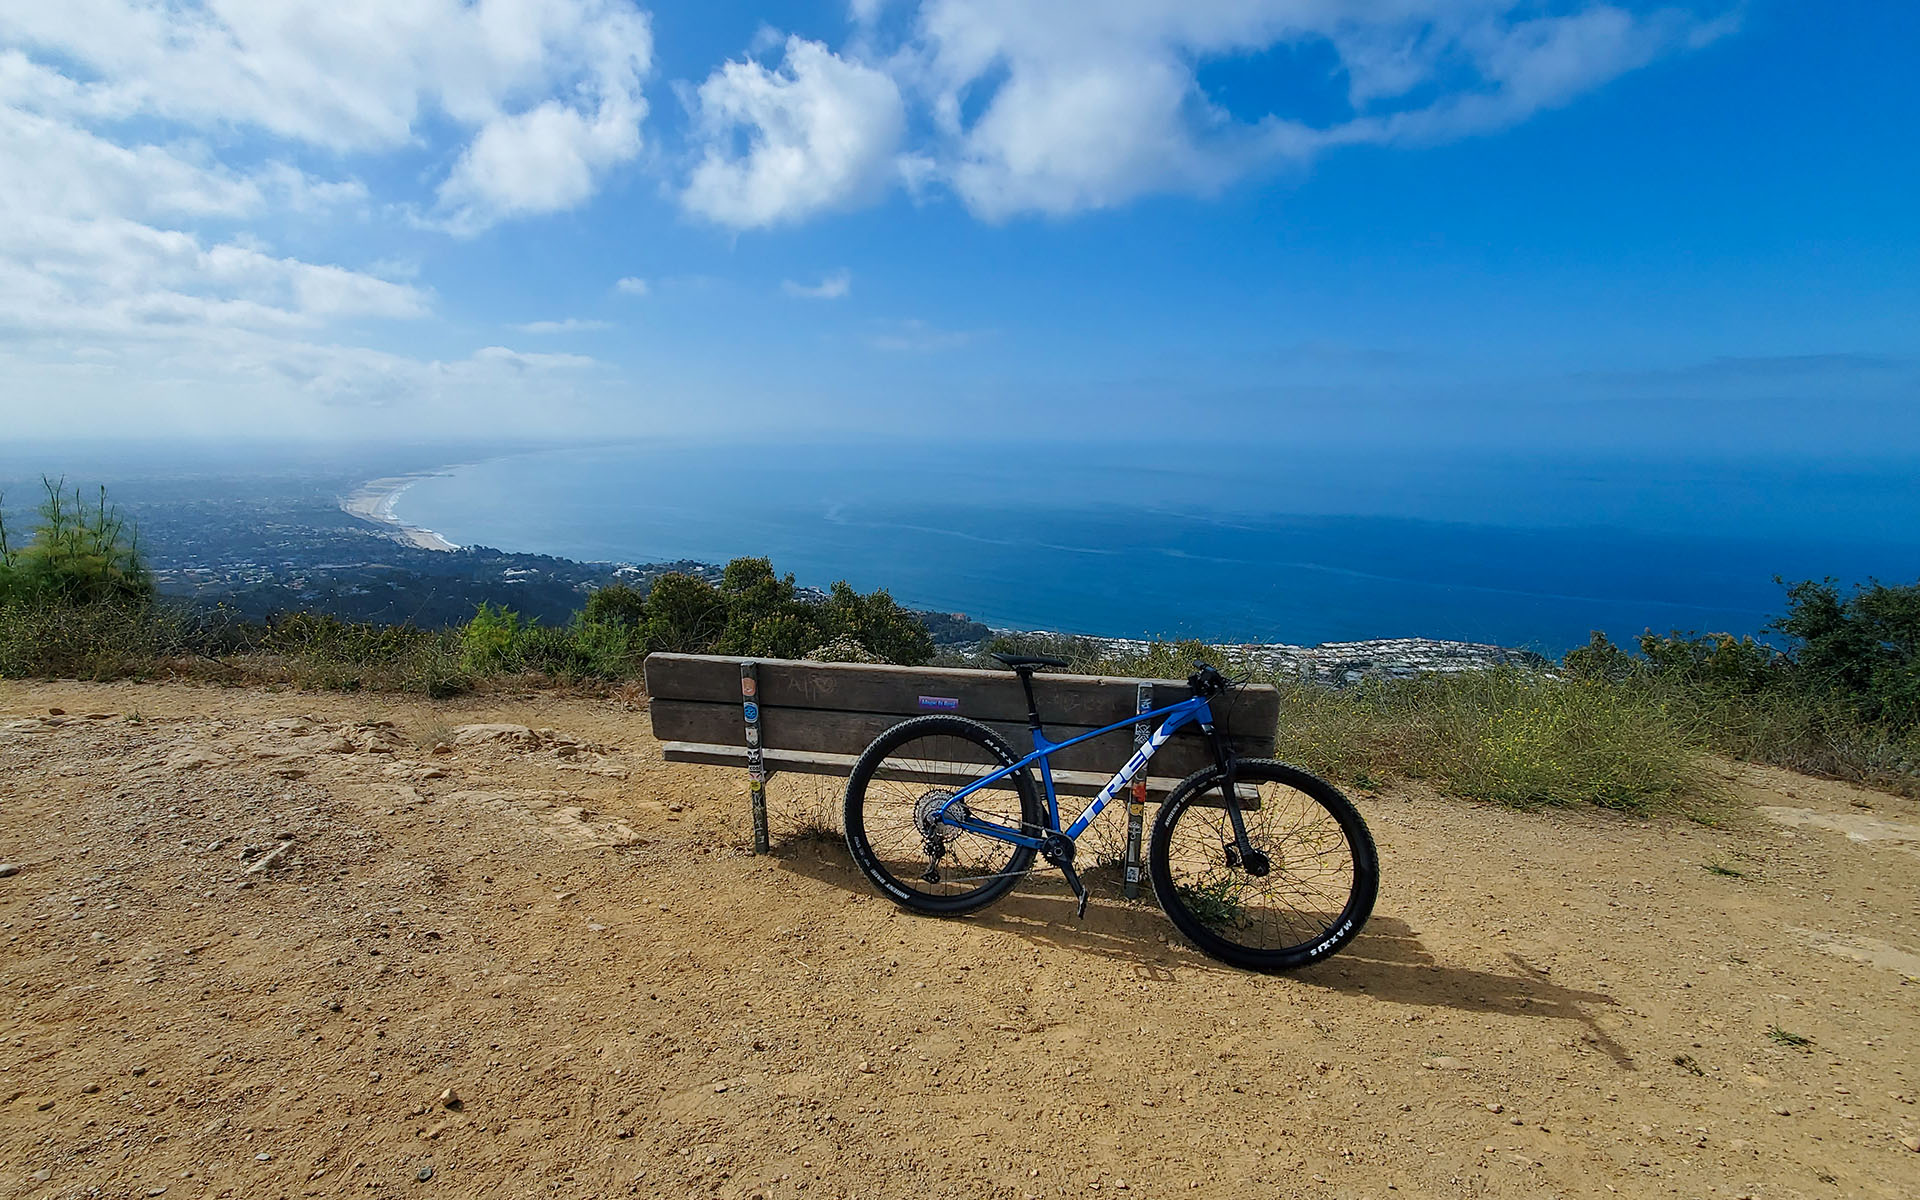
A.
pixel 893 802
pixel 1323 872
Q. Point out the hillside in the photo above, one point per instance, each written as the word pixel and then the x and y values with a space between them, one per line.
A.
pixel 255 938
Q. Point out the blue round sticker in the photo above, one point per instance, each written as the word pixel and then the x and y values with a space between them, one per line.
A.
pixel 753 711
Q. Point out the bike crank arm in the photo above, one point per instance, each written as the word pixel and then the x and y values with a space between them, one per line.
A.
pixel 1058 848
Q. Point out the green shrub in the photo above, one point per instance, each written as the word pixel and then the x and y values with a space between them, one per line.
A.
pixel 756 612
pixel 764 617
pixel 320 651
pixel 685 614
pixel 490 642
pixel 607 650
pixel 96 641
pixel 497 641
pixel 1865 648
pixel 80 554
pixel 617 604
pixel 1843 698
pixel 875 622
pixel 1512 736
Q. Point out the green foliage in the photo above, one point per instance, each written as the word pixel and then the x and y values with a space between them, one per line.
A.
pixel 90 641
pixel 491 641
pixel 1843 700
pixel 757 612
pixel 498 641
pixel 618 604
pixel 875 622
pixel 314 650
pixel 1717 661
pixel 1865 647
pixel 1515 737
pixel 764 615
pixel 684 614
pixel 80 554
pixel 1216 904
pixel 752 611
pixel 1600 660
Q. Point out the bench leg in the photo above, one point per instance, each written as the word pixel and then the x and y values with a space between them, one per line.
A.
pixel 1137 798
pixel 756 758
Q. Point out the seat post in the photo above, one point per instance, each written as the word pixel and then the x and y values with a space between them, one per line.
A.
pixel 1026 682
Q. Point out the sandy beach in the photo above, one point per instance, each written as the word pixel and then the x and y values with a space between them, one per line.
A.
pixel 374 501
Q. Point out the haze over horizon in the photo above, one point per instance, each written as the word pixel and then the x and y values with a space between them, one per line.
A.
pixel 1452 224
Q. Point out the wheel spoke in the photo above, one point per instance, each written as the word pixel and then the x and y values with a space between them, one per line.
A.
pixel 898 806
pixel 1316 878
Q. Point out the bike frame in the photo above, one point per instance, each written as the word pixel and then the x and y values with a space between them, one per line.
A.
pixel 1187 712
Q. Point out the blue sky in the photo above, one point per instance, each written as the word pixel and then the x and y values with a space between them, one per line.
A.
pixel 1433 223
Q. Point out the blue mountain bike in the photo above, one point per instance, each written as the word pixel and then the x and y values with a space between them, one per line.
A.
pixel 1257 863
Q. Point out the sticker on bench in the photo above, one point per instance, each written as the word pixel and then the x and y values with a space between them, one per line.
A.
pixel 940 703
pixel 752 710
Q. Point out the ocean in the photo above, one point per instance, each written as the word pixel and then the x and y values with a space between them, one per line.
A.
pixel 1239 545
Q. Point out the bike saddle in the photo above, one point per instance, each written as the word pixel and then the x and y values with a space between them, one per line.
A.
pixel 1027 662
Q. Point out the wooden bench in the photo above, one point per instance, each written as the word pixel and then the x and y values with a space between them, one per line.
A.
pixel 817 718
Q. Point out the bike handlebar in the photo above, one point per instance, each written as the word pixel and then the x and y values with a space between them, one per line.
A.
pixel 1205 681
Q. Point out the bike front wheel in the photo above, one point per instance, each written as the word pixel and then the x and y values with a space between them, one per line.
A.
pixel 1321 870
pixel 896 794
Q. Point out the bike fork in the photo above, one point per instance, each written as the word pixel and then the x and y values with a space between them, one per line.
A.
pixel 1252 861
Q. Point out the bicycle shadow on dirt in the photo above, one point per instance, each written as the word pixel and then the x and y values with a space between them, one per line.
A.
pixel 1039 911
pixel 1387 961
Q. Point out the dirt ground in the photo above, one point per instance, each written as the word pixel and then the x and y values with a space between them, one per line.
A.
pixel 256 938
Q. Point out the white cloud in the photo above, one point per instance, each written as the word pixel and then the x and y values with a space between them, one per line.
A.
pixel 820 134
pixel 832 287
pixel 240 382
pixel 1060 108
pixel 121 278
pixel 549 158
pixel 153 153
pixel 632 285
pixel 569 325
pixel 917 337
pixel 1101 104
pixel 550 88
pixel 522 361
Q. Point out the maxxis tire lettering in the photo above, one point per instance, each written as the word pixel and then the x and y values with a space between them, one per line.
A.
pixel 1353 827
pixel 854 818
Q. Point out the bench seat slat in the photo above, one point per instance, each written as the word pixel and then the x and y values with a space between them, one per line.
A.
pixel 815 762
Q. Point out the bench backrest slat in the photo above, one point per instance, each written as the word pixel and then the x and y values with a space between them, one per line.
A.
pixel 838 708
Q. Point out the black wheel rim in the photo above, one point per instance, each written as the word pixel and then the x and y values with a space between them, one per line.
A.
pixel 908 786
pixel 1309 885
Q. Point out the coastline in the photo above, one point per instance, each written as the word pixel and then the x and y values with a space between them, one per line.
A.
pixel 1336 663
pixel 374 501
pixel 1339 664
